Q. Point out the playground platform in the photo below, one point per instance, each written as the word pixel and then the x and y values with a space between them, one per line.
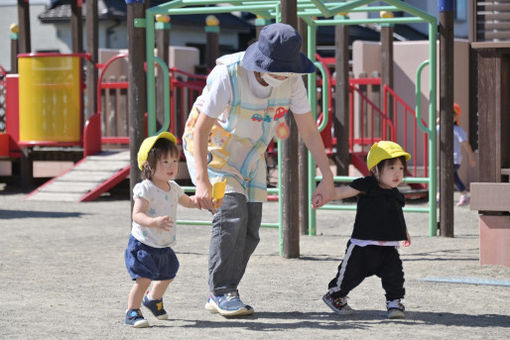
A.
pixel 88 179
pixel 63 276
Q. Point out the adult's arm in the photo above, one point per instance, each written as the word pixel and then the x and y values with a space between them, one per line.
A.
pixel 313 141
pixel 201 132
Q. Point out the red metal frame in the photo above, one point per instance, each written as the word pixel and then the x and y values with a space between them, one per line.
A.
pixel 107 185
pixel 194 86
pixel 357 158
pixel 93 139
pixel 387 91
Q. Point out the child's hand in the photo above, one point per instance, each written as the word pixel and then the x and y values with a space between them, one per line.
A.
pixel 164 222
pixel 194 202
pixel 316 201
pixel 407 242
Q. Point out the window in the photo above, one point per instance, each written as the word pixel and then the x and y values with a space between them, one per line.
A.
pixel 461 10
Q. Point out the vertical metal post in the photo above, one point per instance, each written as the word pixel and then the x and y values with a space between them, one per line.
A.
pixel 14 48
pixel 24 45
pixel 387 64
pixel 342 119
pixel 432 142
pixel 76 26
pixel 212 47
pixel 91 23
pixel 446 117
pixel 303 156
pixel 26 166
pixel 137 100
pixel 162 44
pixel 312 88
pixel 289 169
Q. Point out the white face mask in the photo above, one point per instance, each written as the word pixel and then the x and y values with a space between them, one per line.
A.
pixel 273 82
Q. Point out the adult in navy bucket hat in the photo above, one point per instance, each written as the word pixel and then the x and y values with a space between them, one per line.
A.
pixel 243 106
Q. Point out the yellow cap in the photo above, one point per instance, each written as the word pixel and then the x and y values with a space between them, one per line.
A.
pixel 148 143
pixel 382 150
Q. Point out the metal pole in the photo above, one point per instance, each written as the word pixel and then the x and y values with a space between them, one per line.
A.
pixel 341 121
pixel 14 49
pixel 162 44
pixel 387 64
pixel 91 23
pixel 24 27
pixel 137 100
pixel 303 156
pixel 289 169
pixel 76 26
pixel 446 117
pixel 212 45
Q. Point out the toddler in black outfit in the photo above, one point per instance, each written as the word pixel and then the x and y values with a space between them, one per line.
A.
pixel 379 228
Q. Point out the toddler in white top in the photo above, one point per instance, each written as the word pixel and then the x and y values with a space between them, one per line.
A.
pixel 148 255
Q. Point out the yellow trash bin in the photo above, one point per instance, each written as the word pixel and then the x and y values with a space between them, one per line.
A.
pixel 49 99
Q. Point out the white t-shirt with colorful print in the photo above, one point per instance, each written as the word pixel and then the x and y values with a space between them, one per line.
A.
pixel 161 203
pixel 247 115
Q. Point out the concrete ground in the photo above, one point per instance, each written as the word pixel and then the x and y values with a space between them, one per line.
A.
pixel 63 276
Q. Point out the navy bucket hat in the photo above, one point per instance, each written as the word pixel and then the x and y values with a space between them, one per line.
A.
pixel 277 50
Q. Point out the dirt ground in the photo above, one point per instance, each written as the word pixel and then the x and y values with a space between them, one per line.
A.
pixel 63 277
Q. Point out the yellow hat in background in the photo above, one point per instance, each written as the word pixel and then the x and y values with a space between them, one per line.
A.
pixel 148 143
pixel 382 150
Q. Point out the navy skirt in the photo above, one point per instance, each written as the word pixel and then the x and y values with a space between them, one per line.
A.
pixel 148 262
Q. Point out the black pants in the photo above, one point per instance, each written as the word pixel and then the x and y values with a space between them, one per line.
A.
pixel 361 262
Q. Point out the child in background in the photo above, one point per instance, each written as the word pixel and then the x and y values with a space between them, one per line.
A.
pixel 149 256
pixel 460 141
pixel 379 228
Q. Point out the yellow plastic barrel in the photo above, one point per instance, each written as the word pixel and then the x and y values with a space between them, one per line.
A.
pixel 49 99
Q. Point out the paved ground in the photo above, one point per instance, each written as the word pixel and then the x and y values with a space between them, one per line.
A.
pixel 63 276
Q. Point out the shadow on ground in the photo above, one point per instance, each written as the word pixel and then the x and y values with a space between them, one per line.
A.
pixel 12 214
pixel 265 321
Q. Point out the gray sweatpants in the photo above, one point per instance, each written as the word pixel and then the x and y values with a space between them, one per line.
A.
pixel 234 237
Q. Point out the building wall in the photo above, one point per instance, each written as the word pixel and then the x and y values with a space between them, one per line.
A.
pixel 461 27
pixel 57 37
pixel 461 15
pixel 43 37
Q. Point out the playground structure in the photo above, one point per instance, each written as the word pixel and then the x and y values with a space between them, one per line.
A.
pixel 307 10
pixel 316 13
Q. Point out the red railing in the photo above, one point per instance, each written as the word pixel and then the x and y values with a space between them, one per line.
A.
pixel 368 113
pixel 182 96
pixel 407 111
pixel 374 124
pixel 101 86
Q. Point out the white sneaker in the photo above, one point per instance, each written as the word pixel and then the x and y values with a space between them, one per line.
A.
pixel 395 309
pixel 464 200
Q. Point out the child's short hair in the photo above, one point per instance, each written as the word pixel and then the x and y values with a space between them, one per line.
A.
pixel 161 147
